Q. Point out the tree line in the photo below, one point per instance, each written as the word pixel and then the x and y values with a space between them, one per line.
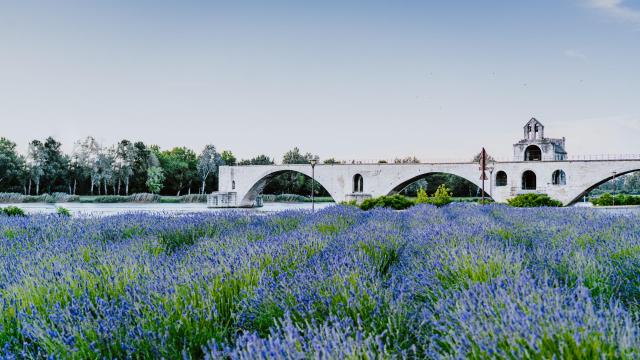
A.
pixel 128 167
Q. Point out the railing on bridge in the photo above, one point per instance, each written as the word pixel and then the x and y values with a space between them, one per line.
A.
pixel 602 157
pixel 578 157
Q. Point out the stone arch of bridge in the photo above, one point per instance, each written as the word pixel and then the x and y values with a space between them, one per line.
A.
pixel 259 185
pixel 600 182
pixel 408 181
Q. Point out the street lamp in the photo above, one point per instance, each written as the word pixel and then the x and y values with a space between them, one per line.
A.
pixel 613 179
pixel 491 167
pixel 313 162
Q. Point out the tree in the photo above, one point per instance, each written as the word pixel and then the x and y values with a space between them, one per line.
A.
pixel 407 160
pixel 476 159
pixel 155 179
pixel 86 154
pixel 208 162
pixel 11 164
pixel 36 162
pixel 180 168
pixel 124 163
pixel 331 161
pixel 228 158
pixel 139 167
pixel 106 160
pixel 294 156
pixel 56 163
pixel 258 160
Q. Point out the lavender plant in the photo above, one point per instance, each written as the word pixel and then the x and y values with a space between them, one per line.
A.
pixel 460 281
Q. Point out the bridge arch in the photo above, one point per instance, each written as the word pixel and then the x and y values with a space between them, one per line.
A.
pixel 258 185
pixel 399 186
pixel 600 182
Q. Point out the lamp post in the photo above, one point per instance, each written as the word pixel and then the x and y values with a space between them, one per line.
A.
pixel 491 167
pixel 613 179
pixel 313 162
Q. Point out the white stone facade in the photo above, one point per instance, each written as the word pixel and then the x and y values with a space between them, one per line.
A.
pixel 535 142
pixel 550 173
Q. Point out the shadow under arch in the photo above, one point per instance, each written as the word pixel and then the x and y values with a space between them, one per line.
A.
pixel 603 181
pixel 474 189
pixel 259 186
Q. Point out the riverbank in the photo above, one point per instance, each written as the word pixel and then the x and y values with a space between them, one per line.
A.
pixel 144 198
pixel 105 209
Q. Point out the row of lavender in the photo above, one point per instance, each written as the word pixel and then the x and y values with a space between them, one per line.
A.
pixel 451 282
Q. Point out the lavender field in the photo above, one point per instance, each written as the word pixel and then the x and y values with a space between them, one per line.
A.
pixel 462 281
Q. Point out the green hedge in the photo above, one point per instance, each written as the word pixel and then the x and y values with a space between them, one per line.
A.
pixel 397 202
pixel 620 199
pixel 134 198
pixel 533 200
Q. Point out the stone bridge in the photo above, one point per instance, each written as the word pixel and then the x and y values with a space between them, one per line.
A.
pixel 540 165
pixel 565 180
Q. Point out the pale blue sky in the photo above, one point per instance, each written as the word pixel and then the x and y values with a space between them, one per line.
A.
pixel 348 79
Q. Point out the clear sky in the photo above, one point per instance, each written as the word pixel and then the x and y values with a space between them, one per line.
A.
pixel 346 79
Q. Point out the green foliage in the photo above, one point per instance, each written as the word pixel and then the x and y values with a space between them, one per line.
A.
pixel 458 186
pixel 107 199
pixel 258 160
pixel 620 199
pixel 396 202
pixel 533 200
pixel 228 158
pixel 13 211
pixel 441 197
pixel 11 164
pixel 294 156
pixel 63 211
pixel 331 161
pixel 423 197
pixel 180 168
pixel 155 179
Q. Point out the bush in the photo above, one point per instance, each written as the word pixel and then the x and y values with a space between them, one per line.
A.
pixel 193 198
pixel 33 198
pixel 441 197
pixel 63 211
pixel 396 202
pixel 144 198
pixel 13 211
pixel 111 199
pixel 423 197
pixel 607 199
pixel 64 197
pixel 284 198
pixel 533 200
pixel 11 198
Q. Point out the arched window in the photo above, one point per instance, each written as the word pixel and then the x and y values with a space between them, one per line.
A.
pixel 559 178
pixel 358 183
pixel 528 180
pixel 233 184
pixel 501 178
pixel 532 153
